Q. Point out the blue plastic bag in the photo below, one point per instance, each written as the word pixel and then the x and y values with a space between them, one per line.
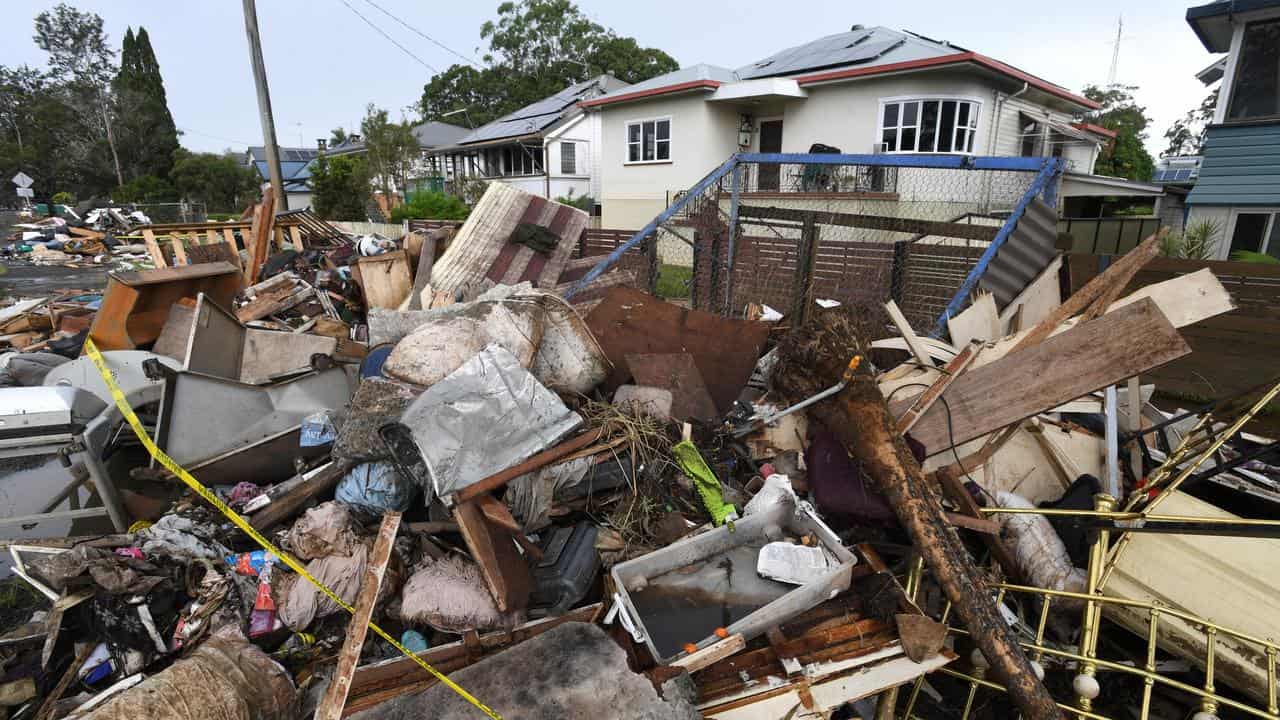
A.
pixel 376 488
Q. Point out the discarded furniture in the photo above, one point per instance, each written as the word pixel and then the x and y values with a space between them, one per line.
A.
pixel 136 304
pixel 229 430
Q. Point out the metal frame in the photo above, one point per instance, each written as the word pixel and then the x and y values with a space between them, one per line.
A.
pixel 1047 170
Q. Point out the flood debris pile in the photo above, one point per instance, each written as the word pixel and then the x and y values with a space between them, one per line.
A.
pixel 421 482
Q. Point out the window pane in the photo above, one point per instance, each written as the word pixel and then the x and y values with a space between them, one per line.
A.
pixel 1248 232
pixel 664 129
pixel 969 148
pixel 890 139
pixel 962 115
pixel 648 132
pixel 909 113
pixel 947 130
pixel 962 139
pixel 928 126
pixel 633 152
pixel 664 150
pixel 907 143
pixel 890 115
pixel 1257 89
pixel 1273 242
pixel 568 158
pixel 633 132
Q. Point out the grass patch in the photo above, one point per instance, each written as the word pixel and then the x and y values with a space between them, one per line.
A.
pixel 674 281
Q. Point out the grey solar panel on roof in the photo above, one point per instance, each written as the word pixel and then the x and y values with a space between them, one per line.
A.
pixel 831 51
pixel 533 117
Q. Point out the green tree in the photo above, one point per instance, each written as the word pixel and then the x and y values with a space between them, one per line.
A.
pixel 1186 136
pixel 1126 155
pixel 536 49
pixel 337 136
pixel 339 187
pixel 145 131
pixel 147 188
pixel 222 182
pixel 42 135
pixel 390 149
pixel 81 62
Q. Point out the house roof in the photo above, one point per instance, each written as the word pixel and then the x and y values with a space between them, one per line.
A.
pixel 695 77
pixel 844 56
pixel 258 153
pixel 1095 129
pixel 542 115
pixel 435 133
pixel 1212 22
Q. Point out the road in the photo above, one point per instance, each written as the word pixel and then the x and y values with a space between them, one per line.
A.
pixel 24 280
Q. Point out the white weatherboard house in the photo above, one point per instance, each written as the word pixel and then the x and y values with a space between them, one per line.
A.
pixel 869 90
pixel 549 148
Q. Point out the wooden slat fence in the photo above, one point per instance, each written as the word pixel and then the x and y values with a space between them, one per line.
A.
pixel 1231 352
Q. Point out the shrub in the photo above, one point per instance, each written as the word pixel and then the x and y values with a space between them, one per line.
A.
pixel 431 206
pixel 1254 257
pixel 584 203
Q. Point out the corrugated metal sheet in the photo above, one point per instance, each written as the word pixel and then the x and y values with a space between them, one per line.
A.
pixel 1241 166
pixel 1027 252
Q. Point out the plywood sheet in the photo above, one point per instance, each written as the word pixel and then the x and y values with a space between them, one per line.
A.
pixel 725 351
pixel 1092 355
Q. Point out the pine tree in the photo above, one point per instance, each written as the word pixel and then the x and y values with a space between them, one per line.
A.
pixel 148 136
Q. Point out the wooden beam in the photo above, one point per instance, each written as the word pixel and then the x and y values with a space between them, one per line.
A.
pixel 872 222
pixel 153 248
pixel 335 697
pixel 921 403
pixel 179 251
pixel 711 654
pixel 542 459
pixel 321 480
pixel 295 236
pixel 263 219
pixel 1118 275
pixel 505 571
pixel 1091 355
pixel 918 350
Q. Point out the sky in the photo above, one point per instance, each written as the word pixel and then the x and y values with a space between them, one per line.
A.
pixel 325 64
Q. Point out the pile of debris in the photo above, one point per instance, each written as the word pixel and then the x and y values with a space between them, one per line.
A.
pixel 422 483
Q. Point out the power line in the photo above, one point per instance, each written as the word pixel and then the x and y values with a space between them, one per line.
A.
pixel 416 30
pixel 381 32
pixel 213 137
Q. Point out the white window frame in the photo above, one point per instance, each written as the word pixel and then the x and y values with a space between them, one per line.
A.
pixel 626 140
pixel 574 145
pixel 973 128
pixel 1272 210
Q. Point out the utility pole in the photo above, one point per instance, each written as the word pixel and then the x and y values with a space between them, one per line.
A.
pixel 264 104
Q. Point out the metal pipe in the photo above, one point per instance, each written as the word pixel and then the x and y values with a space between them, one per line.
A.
pixel 1112 430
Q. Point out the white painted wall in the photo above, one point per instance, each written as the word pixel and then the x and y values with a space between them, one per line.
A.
pixel 845 115
pixel 1222 216
pixel 703 135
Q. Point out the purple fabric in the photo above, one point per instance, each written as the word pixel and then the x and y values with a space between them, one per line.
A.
pixel 840 491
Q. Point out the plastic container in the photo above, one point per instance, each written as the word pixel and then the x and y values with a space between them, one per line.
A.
pixel 568 566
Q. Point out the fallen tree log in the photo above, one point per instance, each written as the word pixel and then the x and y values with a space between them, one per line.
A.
pixel 812 359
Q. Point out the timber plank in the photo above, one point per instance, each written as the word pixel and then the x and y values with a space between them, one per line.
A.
pixel 1120 344
pixel 335 697
pixel 873 222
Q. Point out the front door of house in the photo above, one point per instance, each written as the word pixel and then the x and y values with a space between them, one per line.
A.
pixel 770 142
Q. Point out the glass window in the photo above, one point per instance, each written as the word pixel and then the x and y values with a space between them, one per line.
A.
pixel 1250 230
pixel 1256 92
pixel 649 141
pixel 927 126
pixel 569 158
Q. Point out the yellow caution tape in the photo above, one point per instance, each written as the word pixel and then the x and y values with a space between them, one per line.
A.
pixel 168 463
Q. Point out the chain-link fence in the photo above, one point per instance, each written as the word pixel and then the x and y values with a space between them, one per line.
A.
pixel 168 212
pixel 789 230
